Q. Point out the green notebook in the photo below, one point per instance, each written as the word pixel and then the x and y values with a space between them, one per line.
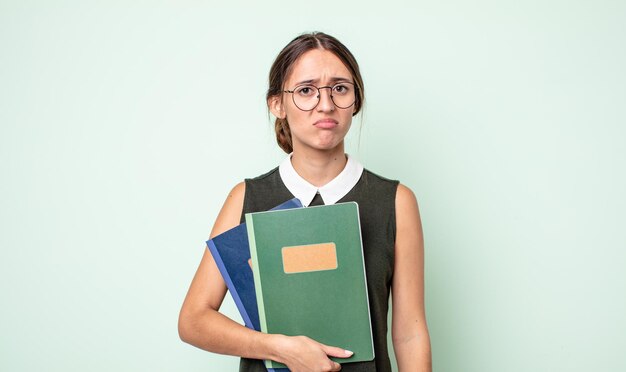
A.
pixel 309 276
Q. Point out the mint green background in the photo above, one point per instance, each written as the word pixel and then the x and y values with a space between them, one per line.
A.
pixel 124 124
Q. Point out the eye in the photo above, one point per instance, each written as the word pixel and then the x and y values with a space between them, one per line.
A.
pixel 305 90
pixel 342 88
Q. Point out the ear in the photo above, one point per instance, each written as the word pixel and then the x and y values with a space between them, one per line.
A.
pixel 275 105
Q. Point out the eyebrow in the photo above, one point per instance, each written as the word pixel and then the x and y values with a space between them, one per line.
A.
pixel 332 80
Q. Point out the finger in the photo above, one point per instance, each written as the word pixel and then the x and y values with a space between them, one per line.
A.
pixel 336 366
pixel 336 352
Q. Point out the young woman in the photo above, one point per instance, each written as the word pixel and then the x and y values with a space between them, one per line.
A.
pixel 315 88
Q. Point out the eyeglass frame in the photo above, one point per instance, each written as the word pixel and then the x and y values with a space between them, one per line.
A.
pixel 319 93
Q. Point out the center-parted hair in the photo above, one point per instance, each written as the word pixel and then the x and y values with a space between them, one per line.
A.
pixel 283 65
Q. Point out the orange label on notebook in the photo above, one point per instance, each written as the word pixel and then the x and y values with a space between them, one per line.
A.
pixel 312 257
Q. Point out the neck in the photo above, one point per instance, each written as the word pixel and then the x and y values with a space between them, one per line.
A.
pixel 319 167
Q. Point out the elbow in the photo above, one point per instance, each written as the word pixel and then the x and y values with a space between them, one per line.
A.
pixel 184 326
pixel 197 325
pixel 410 336
pixel 412 350
pixel 400 340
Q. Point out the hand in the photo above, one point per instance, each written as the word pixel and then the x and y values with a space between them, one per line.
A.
pixel 302 354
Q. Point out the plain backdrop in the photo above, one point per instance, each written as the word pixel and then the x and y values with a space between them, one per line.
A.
pixel 124 124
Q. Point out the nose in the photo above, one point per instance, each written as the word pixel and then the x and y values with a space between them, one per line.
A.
pixel 325 100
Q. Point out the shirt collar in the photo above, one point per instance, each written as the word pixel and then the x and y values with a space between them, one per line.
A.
pixel 331 192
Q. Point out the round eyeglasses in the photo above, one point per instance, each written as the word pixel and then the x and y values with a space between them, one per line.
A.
pixel 306 97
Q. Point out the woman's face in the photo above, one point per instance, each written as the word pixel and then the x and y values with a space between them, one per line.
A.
pixel 324 127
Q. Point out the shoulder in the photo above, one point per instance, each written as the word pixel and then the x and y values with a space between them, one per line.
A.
pixel 405 195
pixel 228 216
pixel 265 182
pixel 407 210
pixel 265 176
pixel 375 186
pixel 378 178
pixel 237 193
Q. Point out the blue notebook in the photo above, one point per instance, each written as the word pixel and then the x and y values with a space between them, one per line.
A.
pixel 231 253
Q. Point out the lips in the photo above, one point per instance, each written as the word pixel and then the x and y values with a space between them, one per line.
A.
pixel 326 123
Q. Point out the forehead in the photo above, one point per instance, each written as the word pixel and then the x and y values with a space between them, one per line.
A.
pixel 318 66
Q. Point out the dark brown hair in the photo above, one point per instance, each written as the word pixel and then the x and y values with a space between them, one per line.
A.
pixel 283 65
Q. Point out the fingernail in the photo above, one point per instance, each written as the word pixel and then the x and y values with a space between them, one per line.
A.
pixel 348 352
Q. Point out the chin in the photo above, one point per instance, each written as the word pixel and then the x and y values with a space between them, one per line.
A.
pixel 328 146
pixel 321 144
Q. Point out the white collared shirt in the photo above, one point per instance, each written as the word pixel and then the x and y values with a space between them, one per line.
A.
pixel 331 192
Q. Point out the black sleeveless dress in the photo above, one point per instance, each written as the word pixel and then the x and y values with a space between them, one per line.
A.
pixel 376 198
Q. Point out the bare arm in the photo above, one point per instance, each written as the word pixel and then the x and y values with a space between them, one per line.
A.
pixel 200 324
pixel 409 330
